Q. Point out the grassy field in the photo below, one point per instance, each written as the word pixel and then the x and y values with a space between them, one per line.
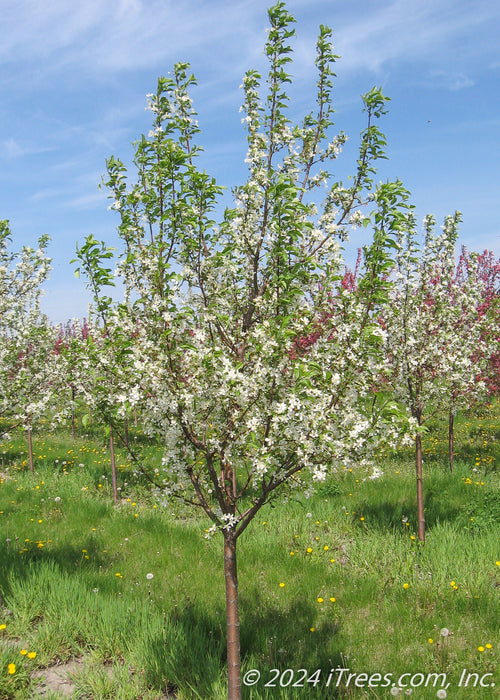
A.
pixel 135 593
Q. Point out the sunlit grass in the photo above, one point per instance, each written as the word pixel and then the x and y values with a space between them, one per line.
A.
pixel 137 592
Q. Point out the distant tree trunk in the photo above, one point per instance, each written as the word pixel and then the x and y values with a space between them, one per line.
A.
pixel 451 454
pixel 420 488
pixel 126 432
pixel 113 465
pixel 30 451
pixel 73 393
pixel 233 618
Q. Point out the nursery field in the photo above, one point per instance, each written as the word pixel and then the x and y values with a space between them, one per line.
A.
pixel 338 599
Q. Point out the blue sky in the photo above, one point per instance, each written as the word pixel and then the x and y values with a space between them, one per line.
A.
pixel 74 76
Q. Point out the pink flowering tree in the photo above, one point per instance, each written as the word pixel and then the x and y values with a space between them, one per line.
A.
pixel 212 314
pixel 488 272
pixel 473 297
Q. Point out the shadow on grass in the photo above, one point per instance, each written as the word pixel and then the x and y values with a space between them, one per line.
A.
pixel 444 502
pixel 183 649
pixel 16 562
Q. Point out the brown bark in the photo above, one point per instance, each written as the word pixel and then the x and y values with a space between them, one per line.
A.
pixel 420 490
pixel 233 619
pixel 113 465
pixel 451 454
pixel 30 451
pixel 73 412
pixel 126 432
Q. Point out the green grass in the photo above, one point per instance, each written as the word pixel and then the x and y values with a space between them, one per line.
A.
pixel 74 584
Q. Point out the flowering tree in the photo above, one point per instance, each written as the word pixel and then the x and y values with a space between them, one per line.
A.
pixel 97 361
pixel 71 337
pixel 28 362
pixel 436 331
pixel 488 272
pixel 472 294
pixel 214 317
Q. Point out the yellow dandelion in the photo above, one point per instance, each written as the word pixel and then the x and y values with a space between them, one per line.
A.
pixel 312 629
pixel 292 553
pixel 31 654
pixel 481 649
pixel 406 586
pixel 488 646
pixel 430 640
pixel 320 600
pixel 332 600
pixel 282 585
pixel 11 668
pixel 23 652
pixel 309 550
pixel 2 627
pixel 325 548
pixel 332 561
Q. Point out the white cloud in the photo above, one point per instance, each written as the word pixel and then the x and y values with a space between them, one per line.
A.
pixel 128 34
pixel 450 80
pixel 413 31
pixel 12 148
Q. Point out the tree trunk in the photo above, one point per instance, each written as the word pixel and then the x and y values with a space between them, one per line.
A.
pixel 126 432
pixel 233 618
pixel 30 451
pixel 113 465
pixel 420 490
pixel 73 392
pixel 451 454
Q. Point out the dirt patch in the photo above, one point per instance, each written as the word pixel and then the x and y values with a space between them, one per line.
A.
pixel 60 680
pixel 57 679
